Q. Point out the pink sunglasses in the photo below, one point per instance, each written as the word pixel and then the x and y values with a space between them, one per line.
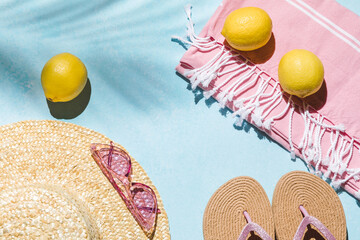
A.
pixel 139 198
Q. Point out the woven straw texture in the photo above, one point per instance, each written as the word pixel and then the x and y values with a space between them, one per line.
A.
pixel 51 188
pixel 319 199
pixel 224 218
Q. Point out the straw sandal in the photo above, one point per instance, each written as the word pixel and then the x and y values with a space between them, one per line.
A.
pixel 306 207
pixel 239 209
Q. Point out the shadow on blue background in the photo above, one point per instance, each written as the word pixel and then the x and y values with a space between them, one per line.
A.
pixel 245 126
pixel 73 108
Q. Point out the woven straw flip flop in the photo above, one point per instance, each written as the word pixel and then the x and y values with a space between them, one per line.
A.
pixel 51 187
pixel 239 209
pixel 306 207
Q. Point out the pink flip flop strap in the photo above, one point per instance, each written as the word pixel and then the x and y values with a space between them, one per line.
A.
pixel 253 227
pixel 315 222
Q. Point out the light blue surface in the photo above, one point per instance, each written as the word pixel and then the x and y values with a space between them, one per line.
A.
pixel 187 147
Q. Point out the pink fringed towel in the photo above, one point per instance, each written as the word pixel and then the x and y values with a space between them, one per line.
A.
pixel 323 128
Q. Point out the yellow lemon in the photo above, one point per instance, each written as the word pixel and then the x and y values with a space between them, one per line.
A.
pixel 63 77
pixel 301 73
pixel 247 28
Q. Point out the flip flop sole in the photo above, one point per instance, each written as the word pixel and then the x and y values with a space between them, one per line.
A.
pixel 318 198
pixel 223 216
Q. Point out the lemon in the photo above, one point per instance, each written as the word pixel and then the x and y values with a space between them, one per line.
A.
pixel 301 73
pixel 63 77
pixel 247 28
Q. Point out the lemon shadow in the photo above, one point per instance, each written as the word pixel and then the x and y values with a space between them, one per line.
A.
pixel 318 99
pixel 73 108
pixel 260 55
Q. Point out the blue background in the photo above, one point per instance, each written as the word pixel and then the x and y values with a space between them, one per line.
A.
pixel 186 145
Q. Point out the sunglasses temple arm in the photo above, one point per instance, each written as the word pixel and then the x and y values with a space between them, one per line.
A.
pixel 110 154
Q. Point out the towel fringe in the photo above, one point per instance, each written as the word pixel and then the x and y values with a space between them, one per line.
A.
pixel 338 155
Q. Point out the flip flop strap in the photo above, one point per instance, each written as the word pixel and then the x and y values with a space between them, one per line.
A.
pixel 315 222
pixel 253 227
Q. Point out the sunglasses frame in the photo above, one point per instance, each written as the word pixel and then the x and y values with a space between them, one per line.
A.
pixel 125 180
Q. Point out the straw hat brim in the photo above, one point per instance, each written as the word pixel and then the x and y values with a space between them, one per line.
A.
pixel 318 198
pixel 223 216
pixel 50 186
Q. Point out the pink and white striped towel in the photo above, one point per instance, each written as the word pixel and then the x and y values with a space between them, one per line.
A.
pixel 323 128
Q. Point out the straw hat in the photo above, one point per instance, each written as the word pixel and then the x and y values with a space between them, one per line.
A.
pixel 51 188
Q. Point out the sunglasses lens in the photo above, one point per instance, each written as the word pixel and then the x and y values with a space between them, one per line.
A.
pixel 145 200
pixel 118 161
